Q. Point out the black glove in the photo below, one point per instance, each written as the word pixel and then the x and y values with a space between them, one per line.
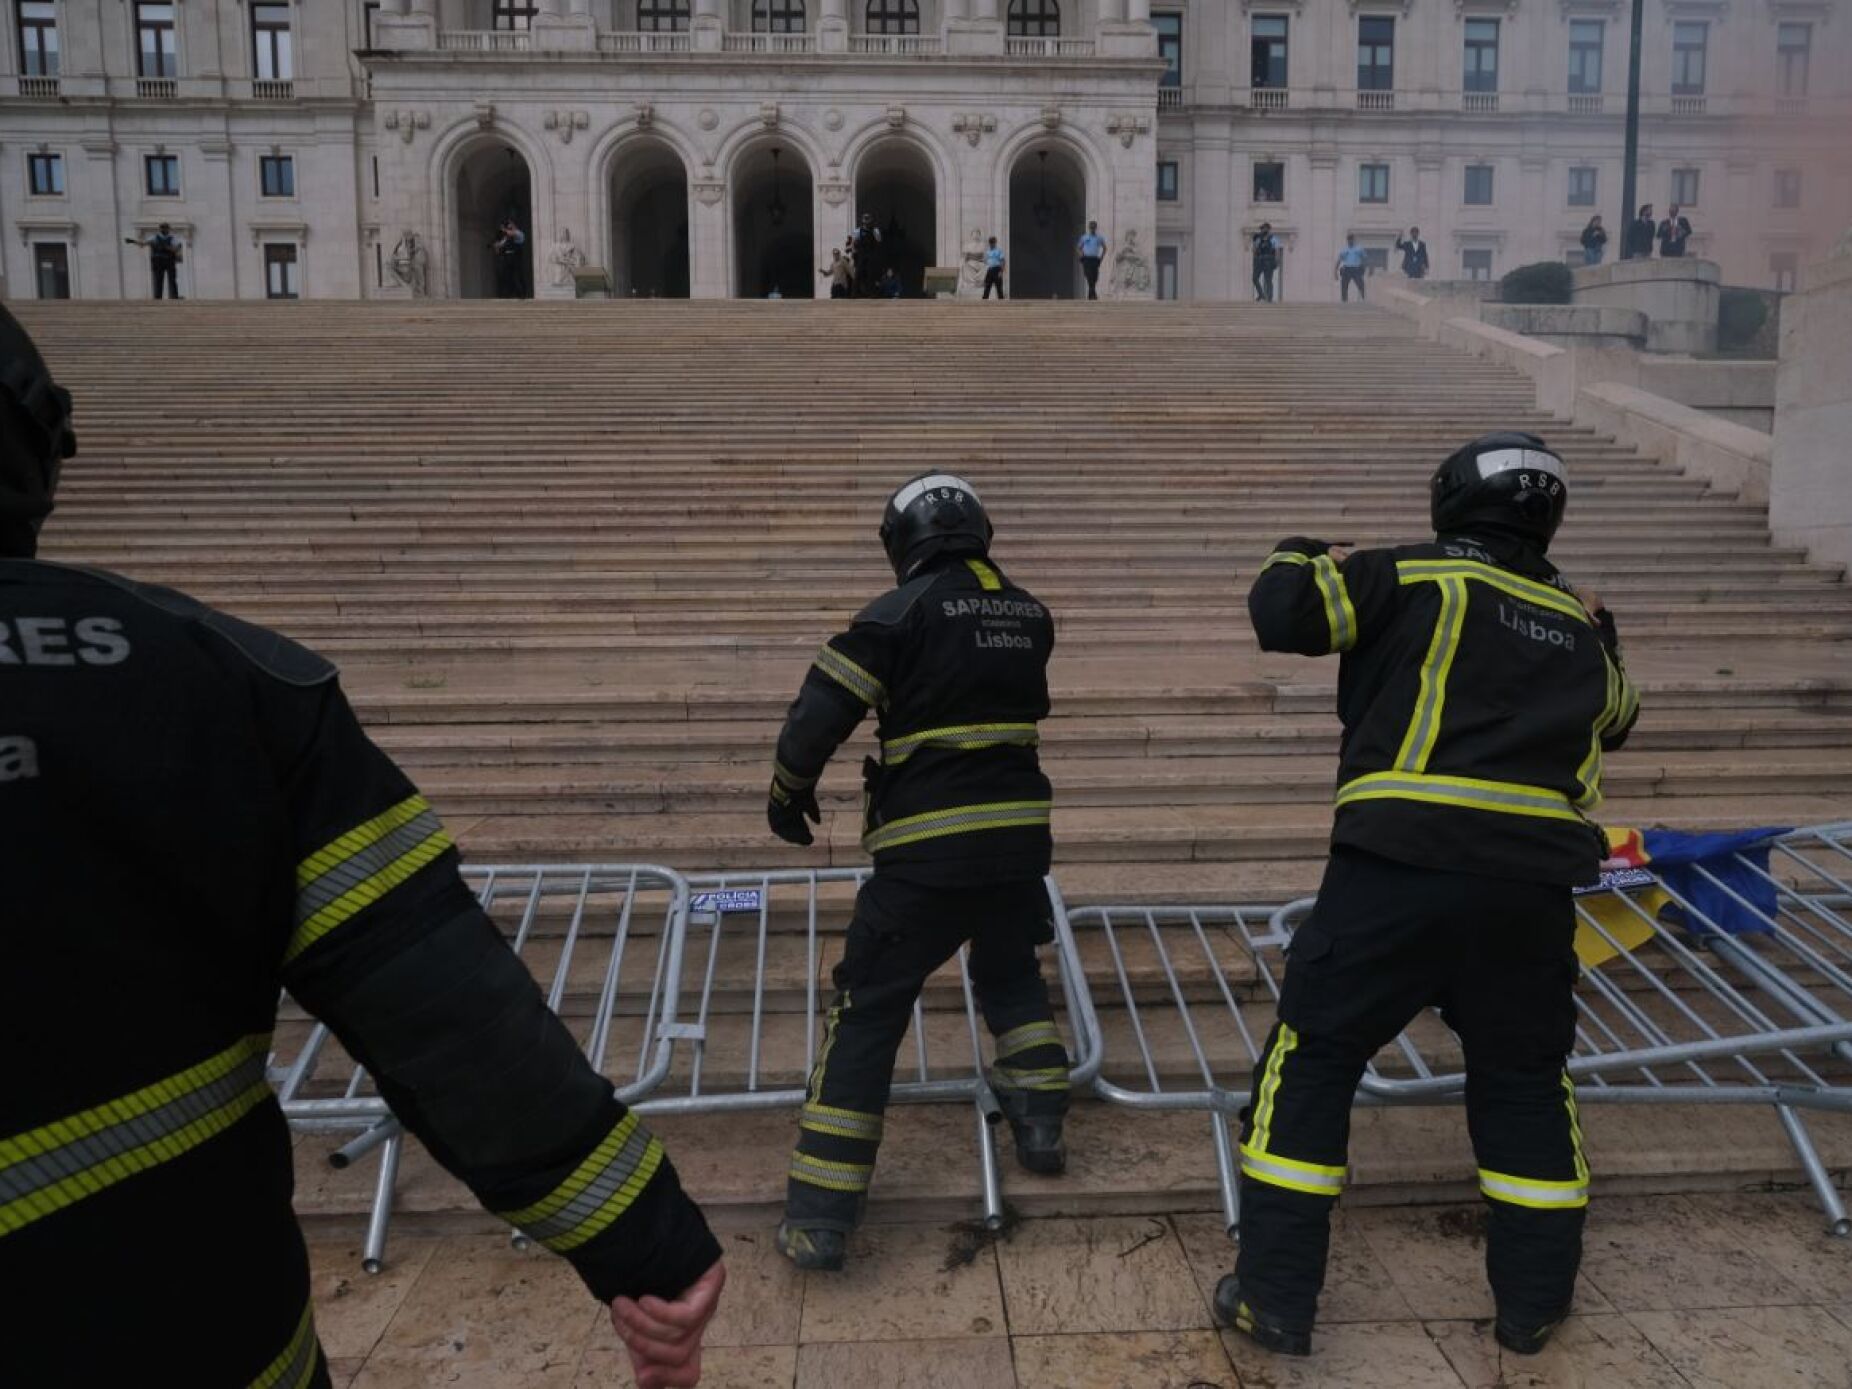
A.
pixel 786 811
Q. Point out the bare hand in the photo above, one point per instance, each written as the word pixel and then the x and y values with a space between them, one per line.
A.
pixel 1338 553
pixel 1590 600
pixel 664 1338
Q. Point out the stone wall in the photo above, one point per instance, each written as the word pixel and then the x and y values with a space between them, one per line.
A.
pixel 1810 488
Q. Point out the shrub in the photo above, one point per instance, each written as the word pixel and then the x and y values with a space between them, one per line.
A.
pixel 1740 316
pixel 1546 282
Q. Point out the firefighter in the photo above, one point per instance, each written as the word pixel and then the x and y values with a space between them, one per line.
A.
pixel 191 819
pixel 1478 691
pixel 954 664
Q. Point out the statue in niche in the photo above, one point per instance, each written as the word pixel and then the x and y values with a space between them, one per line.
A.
pixel 408 262
pixel 972 271
pixel 565 258
pixel 1131 271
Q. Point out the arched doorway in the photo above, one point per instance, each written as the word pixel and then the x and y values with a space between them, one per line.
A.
pixel 649 223
pixel 1048 201
pixel 894 182
pixel 493 185
pixel 774 236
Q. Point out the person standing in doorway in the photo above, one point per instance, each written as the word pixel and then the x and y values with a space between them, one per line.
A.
pixel 164 256
pixel 508 248
pixel 1674 232
pixel 864 244
pixel 1594 241
pixel 840 273
pixel 993 269
pixel 1266 252
pixel 1353 264
pixel 1414 255
pixel 1640 235
pixel 1092 250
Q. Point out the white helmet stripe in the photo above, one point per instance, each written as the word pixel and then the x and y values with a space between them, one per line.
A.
pixel 913 491
pixel 1510 460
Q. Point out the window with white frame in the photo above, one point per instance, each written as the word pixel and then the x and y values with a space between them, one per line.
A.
pixel 1269 181
pixel 45 175
pixel 1784 268
pixel 161 175
pixel 1481 73
pixel 157 51
pixel 276 175
pixel 1582 186
pixel 1685 187
pixel 1168 262
pixel 1476 263
pixel 893 16
pixel 506 14
pixel 1478 185
pixel 1587 39
pixel 1787 188
pixel 39 55
pixel 1034 19
pixel 1690 56
pixel 1376 53
pixel 1267 50
pixel 778 16
pixel 1372 183
pixel 280 271
pixel 1793 56
pixel 273 55
pixel 1167 182
pixel 1169 26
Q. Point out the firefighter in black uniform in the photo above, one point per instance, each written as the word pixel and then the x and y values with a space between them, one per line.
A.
pixel 1478 692
pixel 191 819
pixel 954 664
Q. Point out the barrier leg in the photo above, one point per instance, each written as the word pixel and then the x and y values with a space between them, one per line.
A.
pixel 358 1147
pixel 1837 1223
pixel 1225 1173
pixel 373 1255
pixel 987 1116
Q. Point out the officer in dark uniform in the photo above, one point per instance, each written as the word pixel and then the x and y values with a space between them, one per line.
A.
pixel 1478 691
pixel 191 819
pixel 954 664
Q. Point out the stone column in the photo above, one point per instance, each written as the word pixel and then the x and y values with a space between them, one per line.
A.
pixel 986 10
pixel 1218 241
pixel 1321 234
pixel 710 25
pixel 1112 11
pixel 833 27
pixel 554 31
pixel 709 211
pixel 979 35
pixel 1138 11
pixel 957 9
pixel 1810 482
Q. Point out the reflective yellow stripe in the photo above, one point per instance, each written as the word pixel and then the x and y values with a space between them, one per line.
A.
pixel 1575 1128
pixel 1026 1038
pixel 1503 797
pixel 850 676
pixel 339 881
pixel 1588 775
pixel 1415 571
pixel 1286 557
pixel 986 576
pixel 1532 1193
pixel 295 1363
pixel 1286 1042
pixel 1315 1179
pixel 1340 616
pixel 1431 698
pixel 56 1165
pixel 1036 1078
pixel 831 1176
pixel 601 1188
pixel 842 1123
pixel 964 819
pixel 789 779
pixel 963 737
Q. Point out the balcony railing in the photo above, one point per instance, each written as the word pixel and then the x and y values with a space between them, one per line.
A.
pixel 1267 98
pixel 896 45
pixel 38 86
pixel 769 43
pixel 157 88
pixel 1585 103
pixel 1784 105
pixel 1376 101
pixel 1688 105
pixel 1479 103
pixel 283 90
pixel 1170 98
pixel 1049 48
pixel 485 41
pixel 648 41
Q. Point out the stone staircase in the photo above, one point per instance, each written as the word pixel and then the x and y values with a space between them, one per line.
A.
pixel 574 558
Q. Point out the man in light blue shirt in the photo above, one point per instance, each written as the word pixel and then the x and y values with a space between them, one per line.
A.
pixel 1353 263
pixel 993 270
pixel 1092 252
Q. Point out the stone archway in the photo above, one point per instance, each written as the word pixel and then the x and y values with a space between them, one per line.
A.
pixel 774 222
pixel 493 182
pixel 1048 210
pixel 649 222
pixel 895 182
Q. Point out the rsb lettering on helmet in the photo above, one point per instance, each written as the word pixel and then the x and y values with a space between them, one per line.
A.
pixel 1527 626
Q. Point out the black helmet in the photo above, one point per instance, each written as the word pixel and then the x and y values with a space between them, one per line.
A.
pixel 35 435
pixel 933 514
pixel 1512 482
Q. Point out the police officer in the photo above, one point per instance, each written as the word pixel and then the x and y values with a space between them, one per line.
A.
pixel 954 664
pixel 1478 691
pixel 191 819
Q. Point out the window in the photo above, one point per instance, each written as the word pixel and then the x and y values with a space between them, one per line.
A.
pixel 1787 188
pixel 1785 268
pixel 280 280
pixel 893 16
pixel 1685 187
pixel 52 260
pixel 1167 181
pixel 369 11
pixel 1793 50
pixel 1478 185
pixel 662 15
pixel 45 175
pixel 1582 186
pixel 1585 45
pixel 1372 183
pixel 1376 260
pixel 1375 53
pixel 1269 182
pixel 507 14
pixel 1035 19
pixel 1481 55
pixel 778 16
pixel 1267 43
pixel 1167 277
pixel 38 38
pixel 1476 265
pixel 276 175
pixel 156 52
pixel 274 62
pixel 162 175
pixel 1690 41
pixel 1169 26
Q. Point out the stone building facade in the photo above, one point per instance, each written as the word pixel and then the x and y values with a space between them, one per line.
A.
pixel 347 148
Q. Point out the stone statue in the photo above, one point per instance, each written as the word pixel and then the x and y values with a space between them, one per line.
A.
pixel 408 263
pixel 1131 271
pixel 972 272
pixel 565 258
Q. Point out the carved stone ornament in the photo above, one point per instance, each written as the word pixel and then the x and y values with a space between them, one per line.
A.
pixel 485 115
pixel 768 115
pixel 896 116
pixel 832 119
pixel 707 120
pixel 563 123
pixel 973 126
pixel 1051 116
pixel 1131 271
pixel 835 194
pixel 646 115
pixel 407 123
pixel 1128 127
pixel 710 191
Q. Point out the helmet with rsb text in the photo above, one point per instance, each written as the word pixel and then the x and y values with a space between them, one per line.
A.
pixel 931 515
pixel 1509 482
pixel 35 435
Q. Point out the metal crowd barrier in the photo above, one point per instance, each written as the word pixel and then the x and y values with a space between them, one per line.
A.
pixel 745 1055
pixel 1689 1015
pixel 574 925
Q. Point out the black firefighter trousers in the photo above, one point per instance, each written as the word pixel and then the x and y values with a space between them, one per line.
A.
pixel 1386 940
pixel 901 933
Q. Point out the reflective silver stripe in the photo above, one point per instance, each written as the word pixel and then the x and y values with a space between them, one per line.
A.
pixel 622 1166
pixel 913 491
pixel 1028 1037
pixel 295 1365
pixel 1517 1191
pixel 1508 798
pixel 832 1176
pixel 1295 1176
pixel 1037 1078
pixel 961 738
pixel 850 676
pixel 790 779
pixel 842 1123
pixel 1514 460
pixel 357 868
pixel 1339 614
pixel 961 820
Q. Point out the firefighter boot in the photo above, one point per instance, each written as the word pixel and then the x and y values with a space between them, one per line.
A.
pixel 1036 1127
pixel 1265 1330
pixel 811 1247
pixel 1524 1337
